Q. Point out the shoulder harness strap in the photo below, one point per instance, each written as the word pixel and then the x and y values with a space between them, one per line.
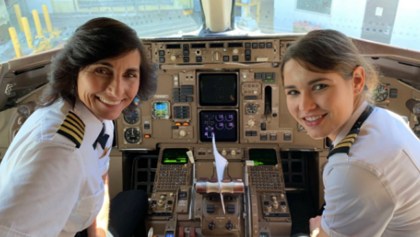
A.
pixel 73 128
pixel 344 145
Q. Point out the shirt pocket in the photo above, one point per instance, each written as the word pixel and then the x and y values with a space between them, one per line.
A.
pixel 85 212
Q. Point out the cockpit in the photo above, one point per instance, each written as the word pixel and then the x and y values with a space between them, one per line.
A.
pixel 219 93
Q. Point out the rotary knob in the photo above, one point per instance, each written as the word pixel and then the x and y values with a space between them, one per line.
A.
pixel 212 225
pixel 182 133
pixel 229 226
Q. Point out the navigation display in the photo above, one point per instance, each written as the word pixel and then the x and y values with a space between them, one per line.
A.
pixel 218 89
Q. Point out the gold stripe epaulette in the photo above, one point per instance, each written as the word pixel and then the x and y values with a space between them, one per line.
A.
pixel 73 128
pixel 344 145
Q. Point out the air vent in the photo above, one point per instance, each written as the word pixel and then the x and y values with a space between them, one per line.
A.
pixel 198 46
pixel 216 45
pixel 173 46
pixel 235 45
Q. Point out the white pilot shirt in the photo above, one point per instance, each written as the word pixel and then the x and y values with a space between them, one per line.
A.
pixel 52 185
pixel 375 190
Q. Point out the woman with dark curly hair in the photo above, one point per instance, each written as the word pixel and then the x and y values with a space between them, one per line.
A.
pixel 54 174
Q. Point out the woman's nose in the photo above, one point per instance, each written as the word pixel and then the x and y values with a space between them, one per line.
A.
pixel 307 103
pixel 116 86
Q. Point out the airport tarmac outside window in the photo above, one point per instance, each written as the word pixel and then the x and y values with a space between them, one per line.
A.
pixel 29 27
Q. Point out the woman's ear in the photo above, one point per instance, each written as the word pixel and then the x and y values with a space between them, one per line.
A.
pixel 358 79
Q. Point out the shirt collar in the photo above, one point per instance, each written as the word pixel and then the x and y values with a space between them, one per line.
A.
pixel 346 128
pixel 93 125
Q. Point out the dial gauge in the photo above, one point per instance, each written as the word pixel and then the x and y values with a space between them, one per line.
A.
pixel 381 93
pixel 132 135
pixel 131 114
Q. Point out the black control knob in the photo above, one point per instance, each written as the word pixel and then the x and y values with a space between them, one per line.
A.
pixel 212 225
pixel 229 226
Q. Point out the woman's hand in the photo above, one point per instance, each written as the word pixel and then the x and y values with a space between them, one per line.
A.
pixel 315 226
pixel 99 227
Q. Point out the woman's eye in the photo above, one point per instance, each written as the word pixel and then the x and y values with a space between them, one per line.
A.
pixel 318 87
pixel 131 74
pixel 103 71
pixel 292 92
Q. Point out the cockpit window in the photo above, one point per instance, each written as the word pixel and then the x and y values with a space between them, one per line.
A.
pixel 30 27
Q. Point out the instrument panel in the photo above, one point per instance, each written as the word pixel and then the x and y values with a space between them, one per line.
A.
pixel 231 87
pixel 228 87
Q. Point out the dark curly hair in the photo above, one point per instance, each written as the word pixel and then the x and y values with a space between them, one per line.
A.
pixel 97 39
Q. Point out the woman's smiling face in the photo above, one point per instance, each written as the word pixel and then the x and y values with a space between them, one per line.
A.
pixel 108 86
pixel 321 102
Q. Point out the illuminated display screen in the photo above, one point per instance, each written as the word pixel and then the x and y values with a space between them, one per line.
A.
pixel 263 156
pixel 218 89
pixel 222 123
pixel 174 156
pixel 161 110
